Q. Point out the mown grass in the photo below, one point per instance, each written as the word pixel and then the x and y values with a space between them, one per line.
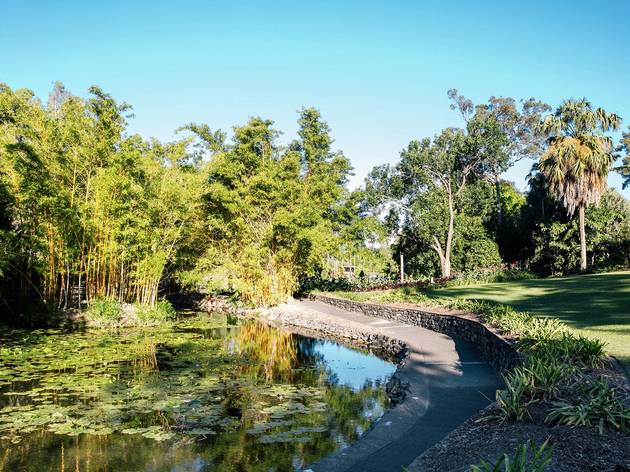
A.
pixel 596 305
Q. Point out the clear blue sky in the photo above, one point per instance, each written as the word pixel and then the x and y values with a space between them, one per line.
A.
pixel 378 71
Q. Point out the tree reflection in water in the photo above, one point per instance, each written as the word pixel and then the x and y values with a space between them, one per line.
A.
pixel 191 397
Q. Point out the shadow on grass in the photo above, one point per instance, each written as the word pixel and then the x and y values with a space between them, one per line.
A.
pixel 584 302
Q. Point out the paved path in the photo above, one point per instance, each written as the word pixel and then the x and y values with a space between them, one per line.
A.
pixel 448 381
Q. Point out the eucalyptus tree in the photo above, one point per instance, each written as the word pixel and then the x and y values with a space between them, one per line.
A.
pixel 442 167
pixel 507 131
pixel 578 158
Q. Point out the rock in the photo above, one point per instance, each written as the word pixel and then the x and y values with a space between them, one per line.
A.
pixel 396 389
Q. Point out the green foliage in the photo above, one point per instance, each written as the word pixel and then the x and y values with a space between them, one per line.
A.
pixel 547 337
pixel 556 243
pixel 624 169
pixel 104 312
pixel 554 354
pixel 89 211
pixel 575 350
pixel 527 458
pixel 269 213
pixel 513 400
pixel 544 375
pixel 578 158
pixel 109 313
pixel 157 314
pixel 473 248
pixel 98 213
pixel 556 248
pixel 604 407
pixel 489 276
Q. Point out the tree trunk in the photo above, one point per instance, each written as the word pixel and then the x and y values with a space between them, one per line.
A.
pixel 445 255
pixel 438 248
pixel 446 273
pixel 497 186
pixel 582 238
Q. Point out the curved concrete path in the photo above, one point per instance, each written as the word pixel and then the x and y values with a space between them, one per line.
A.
pixel 447 379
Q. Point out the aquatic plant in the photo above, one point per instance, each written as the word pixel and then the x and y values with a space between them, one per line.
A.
pixel 193 380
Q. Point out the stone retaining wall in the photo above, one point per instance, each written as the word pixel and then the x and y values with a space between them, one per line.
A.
pixel 497 351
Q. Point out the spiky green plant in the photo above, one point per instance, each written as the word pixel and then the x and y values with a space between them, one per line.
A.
pixel 544 375
pixel 527 458
pixel 604 406
pixel 513 400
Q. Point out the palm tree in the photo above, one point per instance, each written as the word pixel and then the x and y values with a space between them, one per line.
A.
pixel 578 158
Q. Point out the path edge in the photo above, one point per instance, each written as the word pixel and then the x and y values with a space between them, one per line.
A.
pixel 500 353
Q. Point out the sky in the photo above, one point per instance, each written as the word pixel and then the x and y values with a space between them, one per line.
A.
pixel 377 71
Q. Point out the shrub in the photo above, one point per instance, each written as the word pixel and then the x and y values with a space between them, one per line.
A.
pixel 603 407
pixel 571 349
pixel 544 376
pixel 527 458
pixel 104 312
pixel 489 276
pixel 157 314
pixel 515 398
pixel 537 331
pixel 506 318
pixel 544 337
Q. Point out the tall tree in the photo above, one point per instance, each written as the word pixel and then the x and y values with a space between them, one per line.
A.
pixel 578 158
pixel 270 212
pixel 509 132
pixel 444 165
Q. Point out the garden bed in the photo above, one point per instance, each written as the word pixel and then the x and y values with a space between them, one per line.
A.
pixel 574 449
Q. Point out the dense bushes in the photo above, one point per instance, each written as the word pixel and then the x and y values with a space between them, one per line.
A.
pixel 159 313
pixel 553 246
pixel 104 312
pixel 601 406
pixel 489 275
pixel 361 284
pixel 109 313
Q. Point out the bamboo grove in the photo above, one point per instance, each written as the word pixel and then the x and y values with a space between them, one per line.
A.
pixel 90 212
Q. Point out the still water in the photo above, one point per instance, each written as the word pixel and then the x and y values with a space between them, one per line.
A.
pixel 200 395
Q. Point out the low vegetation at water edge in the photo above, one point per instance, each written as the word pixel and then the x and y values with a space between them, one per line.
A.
pixel 110 313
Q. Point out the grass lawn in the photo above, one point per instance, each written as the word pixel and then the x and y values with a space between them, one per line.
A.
pixel 596 305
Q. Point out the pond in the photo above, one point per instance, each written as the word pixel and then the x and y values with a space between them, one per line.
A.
pixel 201 395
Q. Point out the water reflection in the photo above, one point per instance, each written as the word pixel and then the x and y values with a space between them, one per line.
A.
pixel 200 396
